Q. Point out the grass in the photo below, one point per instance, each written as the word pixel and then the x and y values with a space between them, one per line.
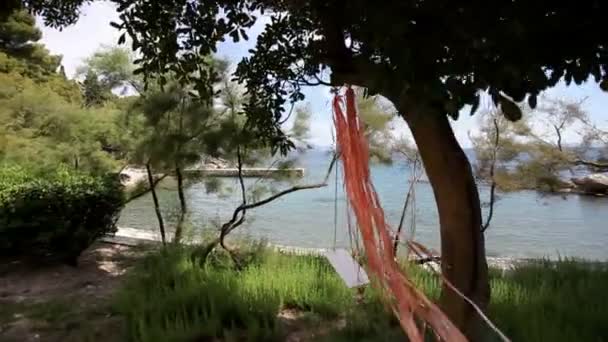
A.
pixel 171 296
pixel 552 301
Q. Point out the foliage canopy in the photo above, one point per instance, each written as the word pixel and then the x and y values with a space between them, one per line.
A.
pixel 440 53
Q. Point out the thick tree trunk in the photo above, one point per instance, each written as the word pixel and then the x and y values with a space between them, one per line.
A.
pixel 463 258
pixel 159 215
pixel 182 203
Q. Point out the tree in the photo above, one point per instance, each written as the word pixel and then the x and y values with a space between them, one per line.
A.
pixel 176 124
pixel 300 130
pixel 429 58
pixel 18 50
pixel 378 120
pixel 42 129
pixel 113 69
pixel 109 69
pixel 20 54
pixel 531 154
pixel 41 117
pixel 560 114
pixel 93 92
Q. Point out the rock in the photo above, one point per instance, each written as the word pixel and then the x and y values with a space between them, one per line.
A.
pixel 124 178
pixel 18 299
pixel 596 183
pixel 130 177
pixel 209 162
pixel 566 184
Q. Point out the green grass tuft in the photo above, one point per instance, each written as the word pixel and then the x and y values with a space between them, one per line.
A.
pixel 552 301
pixel 171 296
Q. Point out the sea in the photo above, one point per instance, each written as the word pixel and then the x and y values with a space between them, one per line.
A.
pixel 525 224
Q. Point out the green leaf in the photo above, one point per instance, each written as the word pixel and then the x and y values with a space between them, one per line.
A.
pixel 604 84
pixel 532 101
pixel 244 34
pixel 235 36
pixel 510 110
pixel 475 105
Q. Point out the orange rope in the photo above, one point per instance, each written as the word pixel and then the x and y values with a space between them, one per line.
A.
pixel 408 302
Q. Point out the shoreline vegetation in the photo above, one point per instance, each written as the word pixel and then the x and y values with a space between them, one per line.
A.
pixel 153 293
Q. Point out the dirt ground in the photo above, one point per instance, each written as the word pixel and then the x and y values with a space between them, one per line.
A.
pixel 62 303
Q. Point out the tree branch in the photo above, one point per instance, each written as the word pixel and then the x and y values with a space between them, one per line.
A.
pixel 304 81
pixel 235 221
pixel 596 164
pixel 281 194
pixel 159 215
pixel 486 224
pixel 293 104
pixel 145 191
pixel 559 136
pixel 415 180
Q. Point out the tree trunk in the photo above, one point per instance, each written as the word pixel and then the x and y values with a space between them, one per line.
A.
pixel 182 203
pixel 159 215
pixel 463 259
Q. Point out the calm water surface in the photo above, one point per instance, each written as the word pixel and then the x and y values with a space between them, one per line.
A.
pixel 524 224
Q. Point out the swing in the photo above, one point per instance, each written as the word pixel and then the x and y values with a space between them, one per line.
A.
pixel 353 275
pixel 349 270
pixel 411 307
pixel 408 303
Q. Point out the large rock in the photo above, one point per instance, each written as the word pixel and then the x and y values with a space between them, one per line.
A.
pixel 596 183
pixel 130 177
pixel 208 162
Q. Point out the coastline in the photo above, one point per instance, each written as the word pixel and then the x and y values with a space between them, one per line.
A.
pixel 132 237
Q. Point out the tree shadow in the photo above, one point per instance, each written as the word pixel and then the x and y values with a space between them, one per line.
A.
pixel 57 302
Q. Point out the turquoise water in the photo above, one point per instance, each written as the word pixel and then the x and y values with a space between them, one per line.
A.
pixel 524 225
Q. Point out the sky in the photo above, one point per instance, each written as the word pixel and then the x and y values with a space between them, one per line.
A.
pixel 81 40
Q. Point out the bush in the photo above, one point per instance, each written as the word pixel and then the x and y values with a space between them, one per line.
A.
pixel 55 216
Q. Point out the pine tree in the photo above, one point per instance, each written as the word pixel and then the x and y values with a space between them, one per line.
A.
pixel 19 51
pixel 94 93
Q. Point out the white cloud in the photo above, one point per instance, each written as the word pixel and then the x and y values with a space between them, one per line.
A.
pixel 465 125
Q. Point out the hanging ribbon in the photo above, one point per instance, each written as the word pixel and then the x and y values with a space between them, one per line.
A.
pixel 407 301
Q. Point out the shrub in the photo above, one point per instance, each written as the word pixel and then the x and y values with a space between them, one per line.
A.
pixel 55 216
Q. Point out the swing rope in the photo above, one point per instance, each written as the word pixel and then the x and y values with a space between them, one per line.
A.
pixel 336 206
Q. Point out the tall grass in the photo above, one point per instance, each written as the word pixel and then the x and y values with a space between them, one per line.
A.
pixel 171 296
pixel 545 300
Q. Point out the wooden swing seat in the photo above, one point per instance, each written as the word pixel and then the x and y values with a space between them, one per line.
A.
pixel 347 267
